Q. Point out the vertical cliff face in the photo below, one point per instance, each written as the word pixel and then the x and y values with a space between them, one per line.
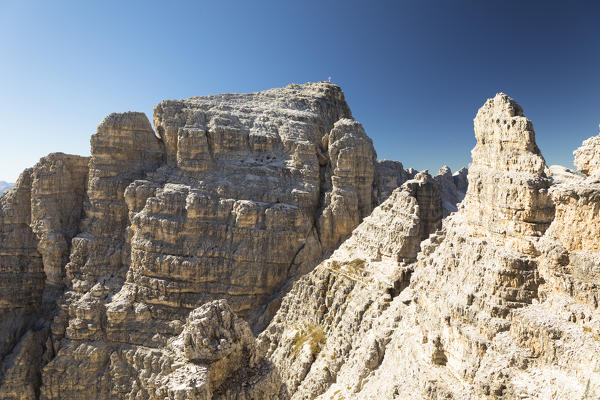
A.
pixel 38 219
pixel 493 308
pixel 389 175
pixel 22 280
pixel 234 198
pixel 571 248
pixel 510 193
pixel 453 188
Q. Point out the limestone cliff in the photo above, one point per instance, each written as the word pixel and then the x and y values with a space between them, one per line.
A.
pixel 105 261
pixel 453 188
pixel 143 270
pixel 38 219
pixel 501 302
pixel 587 157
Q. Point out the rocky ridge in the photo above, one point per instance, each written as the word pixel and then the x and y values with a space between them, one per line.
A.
pixel 501 302
pixel 142 271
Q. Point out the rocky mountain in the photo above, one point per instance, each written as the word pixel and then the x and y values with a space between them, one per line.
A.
pixel 501 302
pixel 104 259
pixel 147 269
pixel 4 186
pixel 390 175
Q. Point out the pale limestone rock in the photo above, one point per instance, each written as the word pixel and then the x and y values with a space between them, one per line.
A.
pixel 350 171
pixel 560 174
pixel 494 306
pixel 322 333
pixel 461 182
pixel 22 273
pixel 570 260
pixel 238 196
pixel 587 157
pixel 511 198
pixel 389 175
pixel 186 368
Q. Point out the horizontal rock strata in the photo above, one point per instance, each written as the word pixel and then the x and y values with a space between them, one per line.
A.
pixel 233 198
pixel 38 219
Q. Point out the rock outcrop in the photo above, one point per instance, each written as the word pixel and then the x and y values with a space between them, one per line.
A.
pixel 213 357
pixel 453 188
pixel 323 332
pixel 587 157
pixel 38 219
pixel 105 259
pixel 390 175
pixel 498 304
pixel 144 270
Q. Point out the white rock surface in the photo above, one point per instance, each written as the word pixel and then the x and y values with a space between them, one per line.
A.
pixel 502 301
pixel 587 157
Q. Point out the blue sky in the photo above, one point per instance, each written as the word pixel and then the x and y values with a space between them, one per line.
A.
pixel 414 72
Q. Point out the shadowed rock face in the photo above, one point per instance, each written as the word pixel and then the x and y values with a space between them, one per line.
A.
pixel 235 197
pixel 500 303
pixel 38 219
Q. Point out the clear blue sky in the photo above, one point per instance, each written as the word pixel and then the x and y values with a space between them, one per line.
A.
pixel 414 72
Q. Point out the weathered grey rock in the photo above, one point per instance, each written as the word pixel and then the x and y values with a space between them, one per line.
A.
pixel 560 174
pixel 389 175
pixel 38 219
pixel 238 196
pixel 214 357
pixel 461 181
pixel 166 239
pixel 322 333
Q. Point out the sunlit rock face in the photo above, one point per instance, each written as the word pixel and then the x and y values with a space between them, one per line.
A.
pixel 587 157
pixel 571 246
pixel 233 198
pixel 327 337
pixel 500 302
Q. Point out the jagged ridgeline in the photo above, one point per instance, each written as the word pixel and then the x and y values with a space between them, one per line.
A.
pixel 146 270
